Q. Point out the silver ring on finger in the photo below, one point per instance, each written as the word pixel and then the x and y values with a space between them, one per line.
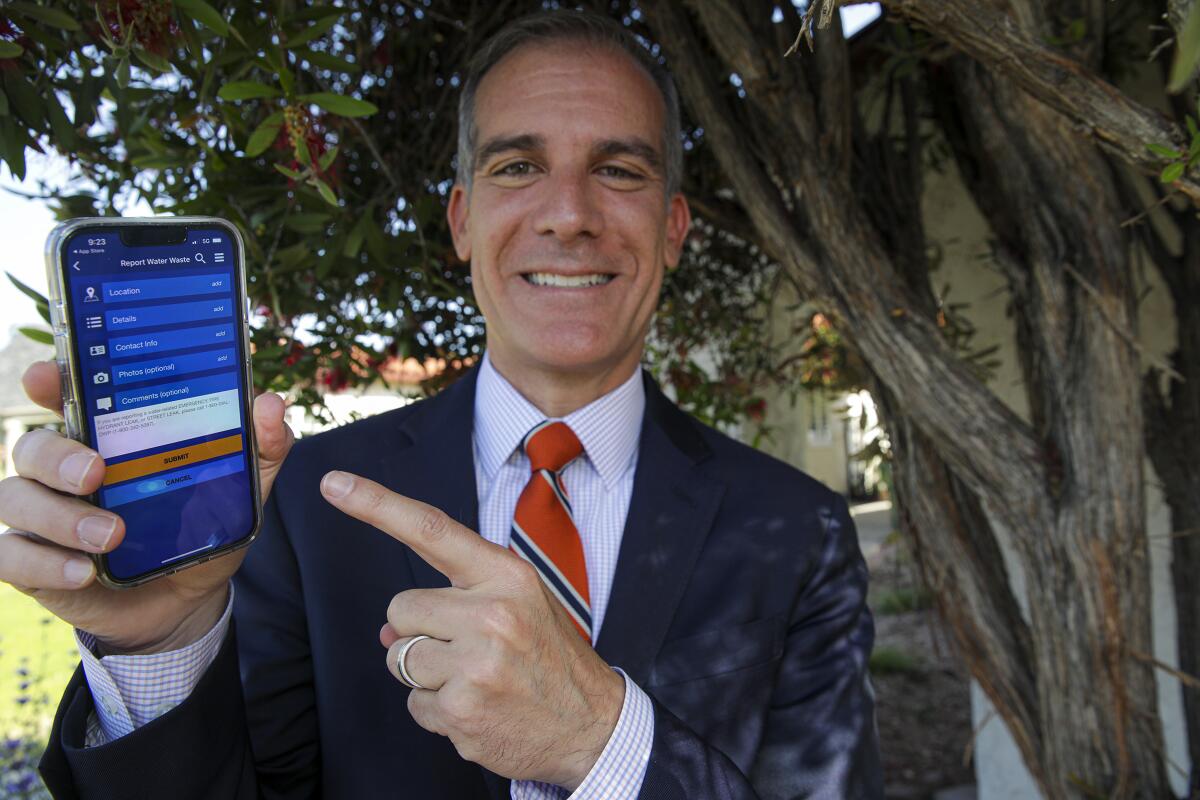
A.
pixel 402 668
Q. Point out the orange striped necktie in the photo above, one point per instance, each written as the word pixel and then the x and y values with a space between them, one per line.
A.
pixel 543 529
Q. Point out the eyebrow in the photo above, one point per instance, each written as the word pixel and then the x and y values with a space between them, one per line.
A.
pixel 633 146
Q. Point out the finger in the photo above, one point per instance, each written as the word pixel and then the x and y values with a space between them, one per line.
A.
pixel 43 385
pixel 441 613
pixel 462 555
pixel 58 462
pixel 387 635
pixel 273 437
pixel 29 565
pixel 428 661
pixel 28 505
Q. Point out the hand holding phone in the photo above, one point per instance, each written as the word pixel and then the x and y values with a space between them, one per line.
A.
pixel 153 380
pixel 54 472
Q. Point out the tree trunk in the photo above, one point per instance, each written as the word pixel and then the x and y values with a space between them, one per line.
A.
pixel 1173 442
pixel 1069 489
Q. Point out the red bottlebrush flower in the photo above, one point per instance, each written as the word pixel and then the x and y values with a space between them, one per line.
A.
pixel 756 409
pixel 334 379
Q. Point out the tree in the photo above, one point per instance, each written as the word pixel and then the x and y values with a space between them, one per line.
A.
pixel 1075 681
pixel 326 134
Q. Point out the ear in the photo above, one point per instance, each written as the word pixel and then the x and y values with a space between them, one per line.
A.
pixel 458 213
pixel 679 222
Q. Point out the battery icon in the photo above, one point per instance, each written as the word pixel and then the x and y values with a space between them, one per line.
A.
pixel 216 240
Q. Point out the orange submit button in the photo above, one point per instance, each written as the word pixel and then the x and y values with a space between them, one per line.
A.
pixel 184 456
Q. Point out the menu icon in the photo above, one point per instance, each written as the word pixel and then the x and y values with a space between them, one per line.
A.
pixel 93 322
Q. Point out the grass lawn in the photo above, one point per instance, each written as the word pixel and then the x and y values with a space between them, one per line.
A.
pixel 37 657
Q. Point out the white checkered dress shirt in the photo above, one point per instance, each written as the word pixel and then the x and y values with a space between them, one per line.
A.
pixel 132 690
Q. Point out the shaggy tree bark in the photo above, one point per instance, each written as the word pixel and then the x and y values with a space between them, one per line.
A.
pixel 1067 488
pixel 1119 124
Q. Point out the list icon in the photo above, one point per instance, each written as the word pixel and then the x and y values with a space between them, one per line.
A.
pixel 93 322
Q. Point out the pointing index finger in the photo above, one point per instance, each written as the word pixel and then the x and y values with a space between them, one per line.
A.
pixel 460 554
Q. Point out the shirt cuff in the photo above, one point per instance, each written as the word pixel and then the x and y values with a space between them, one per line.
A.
pixel 622 765
pixel 130 691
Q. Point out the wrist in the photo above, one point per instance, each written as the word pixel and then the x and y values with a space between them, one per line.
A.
pixel 195 624
pixel 595 737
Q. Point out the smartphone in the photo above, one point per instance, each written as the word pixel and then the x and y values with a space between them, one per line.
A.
pixel 152 341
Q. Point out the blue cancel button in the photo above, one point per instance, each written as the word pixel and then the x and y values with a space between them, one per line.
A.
pixel 170 481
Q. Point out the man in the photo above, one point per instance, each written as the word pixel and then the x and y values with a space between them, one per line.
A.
pixel 649 609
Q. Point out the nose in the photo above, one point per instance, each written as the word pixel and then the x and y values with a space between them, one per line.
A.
pixel 569 208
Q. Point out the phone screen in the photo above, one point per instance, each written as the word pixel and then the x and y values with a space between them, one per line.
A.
pixel 160 362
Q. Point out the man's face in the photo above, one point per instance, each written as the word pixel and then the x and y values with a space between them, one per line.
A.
pixel 567 226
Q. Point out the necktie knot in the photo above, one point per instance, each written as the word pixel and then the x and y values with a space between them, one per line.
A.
pixel 552 445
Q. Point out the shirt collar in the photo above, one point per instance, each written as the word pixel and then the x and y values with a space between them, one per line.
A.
pixel 608 427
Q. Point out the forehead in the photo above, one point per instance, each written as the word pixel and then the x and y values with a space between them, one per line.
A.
pixel 569 90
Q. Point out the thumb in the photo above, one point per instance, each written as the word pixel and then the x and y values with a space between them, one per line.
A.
pixel 273 436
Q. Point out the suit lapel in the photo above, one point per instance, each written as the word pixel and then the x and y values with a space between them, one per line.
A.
pixel 438 466
pixel 670 515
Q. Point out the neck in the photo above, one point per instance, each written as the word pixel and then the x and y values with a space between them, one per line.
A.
pixel 558 393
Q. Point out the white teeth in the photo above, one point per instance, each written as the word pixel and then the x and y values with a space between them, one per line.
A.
pixel 551 279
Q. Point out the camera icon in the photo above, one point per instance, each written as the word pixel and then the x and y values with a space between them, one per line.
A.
pixel 100 377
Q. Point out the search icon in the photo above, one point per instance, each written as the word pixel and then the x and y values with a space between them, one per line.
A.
pixel 200 257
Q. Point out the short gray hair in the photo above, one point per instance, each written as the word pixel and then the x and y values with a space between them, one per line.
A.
pixel 545 27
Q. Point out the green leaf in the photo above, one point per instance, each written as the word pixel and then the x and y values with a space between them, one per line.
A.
pixel 10 49
pixel 313 31
pixel 326 193
pixel 1172 172
pixel 32 294
pixel 247 90
pixel 155 162
pixel 12 144
pixel 50 16
pixel 266 132
pixel 3 104
pixel 24 98
pixel 303 154
pixel 1164 151
pixel 122 73
pixel 153 61
pixel 340 104
pixel 1187 53
pixel 327 158
pixel 357 234
pixel 38 335
pixel 64 132
pixel 286 80
pixel 307 223
pixel 291 173
pixel 205 14
pixel 327 61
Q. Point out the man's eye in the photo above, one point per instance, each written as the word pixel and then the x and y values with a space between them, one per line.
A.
pixel 516 169
pixel 610 171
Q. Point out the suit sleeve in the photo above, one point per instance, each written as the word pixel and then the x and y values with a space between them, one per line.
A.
pixel 249 728
pixel 819 739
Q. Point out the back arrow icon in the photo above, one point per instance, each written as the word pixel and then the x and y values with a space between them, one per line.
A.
pixel 75 266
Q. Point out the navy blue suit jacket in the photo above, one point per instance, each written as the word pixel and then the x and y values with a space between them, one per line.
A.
pixel 738 604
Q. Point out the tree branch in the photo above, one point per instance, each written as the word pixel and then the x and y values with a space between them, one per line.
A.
pixel 1120 125
pixel 843 259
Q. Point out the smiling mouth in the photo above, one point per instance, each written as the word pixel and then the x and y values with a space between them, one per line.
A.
pixel 566 281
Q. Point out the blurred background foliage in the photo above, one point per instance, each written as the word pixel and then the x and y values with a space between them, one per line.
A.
pixel 326 133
